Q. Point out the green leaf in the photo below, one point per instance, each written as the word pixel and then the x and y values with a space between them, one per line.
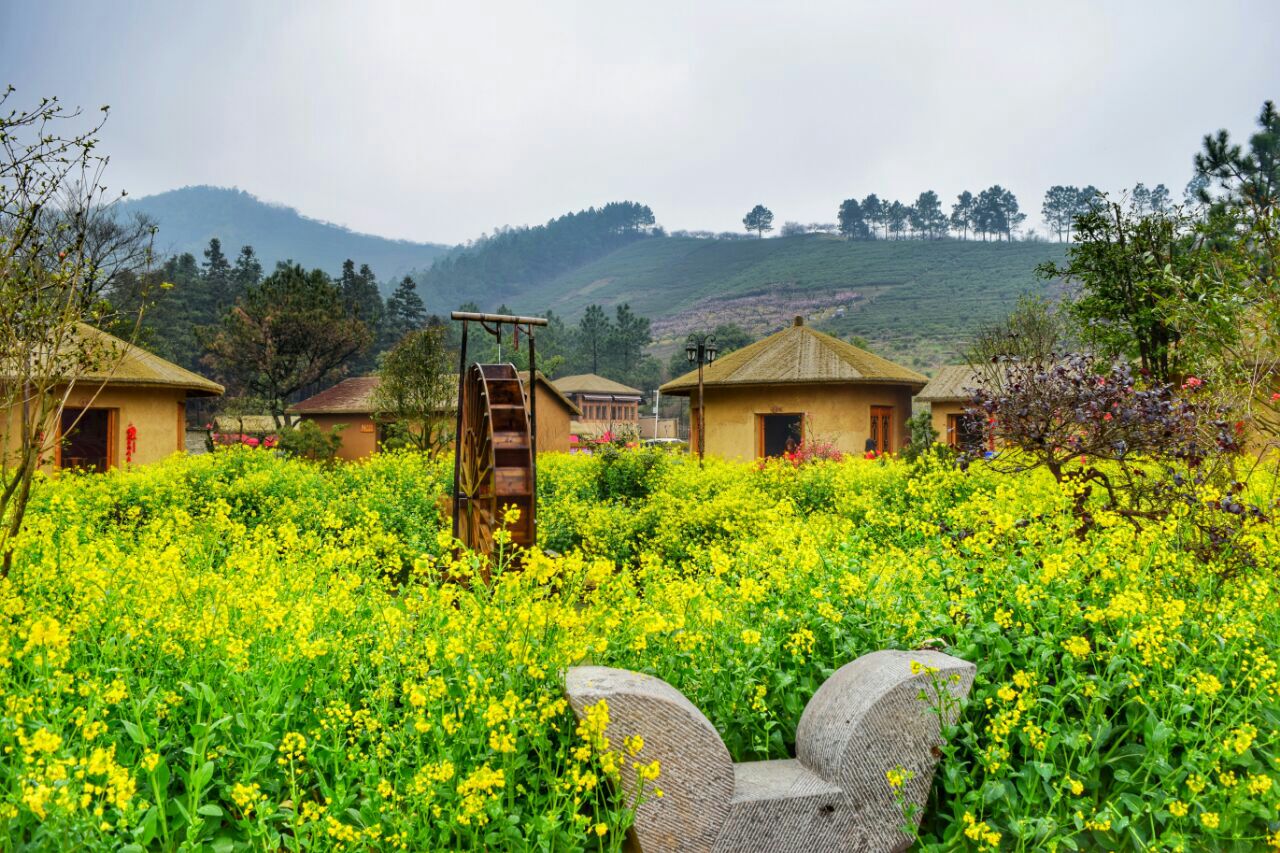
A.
pixel 135 733
pixel 210 810
pixel 204 774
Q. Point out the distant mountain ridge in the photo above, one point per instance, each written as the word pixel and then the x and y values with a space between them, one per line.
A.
pixel 190 216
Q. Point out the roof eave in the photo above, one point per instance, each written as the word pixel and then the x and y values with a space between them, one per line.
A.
pixel 684 389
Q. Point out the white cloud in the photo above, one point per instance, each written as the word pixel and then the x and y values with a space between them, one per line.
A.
pixel 437 121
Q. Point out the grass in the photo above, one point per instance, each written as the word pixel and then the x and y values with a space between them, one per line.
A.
pixel 914 301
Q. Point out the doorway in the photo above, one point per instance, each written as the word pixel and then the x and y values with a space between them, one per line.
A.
pixel 87 439
pixel 775 430
pixel 964 432
pixel 882 429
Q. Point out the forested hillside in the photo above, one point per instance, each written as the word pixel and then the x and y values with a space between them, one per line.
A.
pixel 189 217
pixel 914 300
pixel 514 260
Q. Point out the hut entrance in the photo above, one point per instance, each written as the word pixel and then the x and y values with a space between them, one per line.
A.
pixel 86 439
pixel 965 432
pixel 775 430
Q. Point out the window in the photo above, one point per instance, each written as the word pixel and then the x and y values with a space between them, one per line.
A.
pixel 87 439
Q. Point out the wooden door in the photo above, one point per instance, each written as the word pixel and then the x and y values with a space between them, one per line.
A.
pixel 882 428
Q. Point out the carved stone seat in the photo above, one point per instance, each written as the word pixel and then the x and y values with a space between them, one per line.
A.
pixel 867 719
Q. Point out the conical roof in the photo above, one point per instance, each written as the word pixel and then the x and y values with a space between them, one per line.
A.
pixel 796 355
pixel 950 384
pixel 129 364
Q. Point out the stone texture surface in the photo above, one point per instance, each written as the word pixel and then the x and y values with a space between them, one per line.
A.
pixel 696 775
pixel 780 805
pixel 869 718
pixel 873 715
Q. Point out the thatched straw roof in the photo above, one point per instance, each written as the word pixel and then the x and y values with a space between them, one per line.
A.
pixel 949 384
pixel 351 396
pixel 591 383
pixel 796 355
pixel 354 396
pixel 132 366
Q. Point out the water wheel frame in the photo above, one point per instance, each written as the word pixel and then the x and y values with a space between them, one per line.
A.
pixel 495 466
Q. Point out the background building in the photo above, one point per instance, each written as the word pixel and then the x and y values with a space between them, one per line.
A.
pixel 947 395
pixel 804 385
pixel 606 406
pixel 350 404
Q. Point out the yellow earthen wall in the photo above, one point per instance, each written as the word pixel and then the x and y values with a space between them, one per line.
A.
pixel 841 413
pixel 940 412
pixel 553 424
pixel 156 413
pixel 359 439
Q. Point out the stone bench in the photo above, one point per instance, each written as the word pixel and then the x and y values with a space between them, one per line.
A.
pixel 867 719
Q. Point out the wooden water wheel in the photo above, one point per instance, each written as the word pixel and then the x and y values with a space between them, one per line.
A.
pixel 495 464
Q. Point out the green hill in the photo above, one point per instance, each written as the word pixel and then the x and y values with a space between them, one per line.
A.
pixel 188 217
pixel 912 300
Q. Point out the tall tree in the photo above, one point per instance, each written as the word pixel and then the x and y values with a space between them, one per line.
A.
pixel 404 312
pixel 853 223
pixel 51 193
pixel 962 214
pixel 1251 178
pixel 1013 217
pixel 417 379
pixel 927 217
pixel 292 330
pixel 1150 200
pixel 759 219
pixel 218 284
pixel 896 219
pixel 1126 266
pixel 1088 200
pixel 873 210
pixel 594 330
pixel 247 272
pixel 630 335
pixel 1059 209
pixel 988 212
pixel 360 294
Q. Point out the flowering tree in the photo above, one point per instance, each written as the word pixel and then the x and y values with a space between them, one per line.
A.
pixel 1145 449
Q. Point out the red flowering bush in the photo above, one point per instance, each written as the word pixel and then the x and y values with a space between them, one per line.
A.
pixel 814 450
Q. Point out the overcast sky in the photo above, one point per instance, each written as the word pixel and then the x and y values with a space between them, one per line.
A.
pixel 438 121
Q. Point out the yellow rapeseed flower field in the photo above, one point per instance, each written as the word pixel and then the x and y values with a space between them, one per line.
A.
pixel 241 652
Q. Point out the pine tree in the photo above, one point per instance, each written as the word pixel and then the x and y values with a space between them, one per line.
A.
pixel 896 219
pixel 629 336
pixel 247 273
pixel 853 223
pixel 873 210
pixel 962 218
pixel 758 219
pixel 1251 179
pixel 593 338
pixel 404 313
pixel 218 284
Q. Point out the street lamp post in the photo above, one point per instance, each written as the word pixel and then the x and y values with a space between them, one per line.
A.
pixel 701 350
